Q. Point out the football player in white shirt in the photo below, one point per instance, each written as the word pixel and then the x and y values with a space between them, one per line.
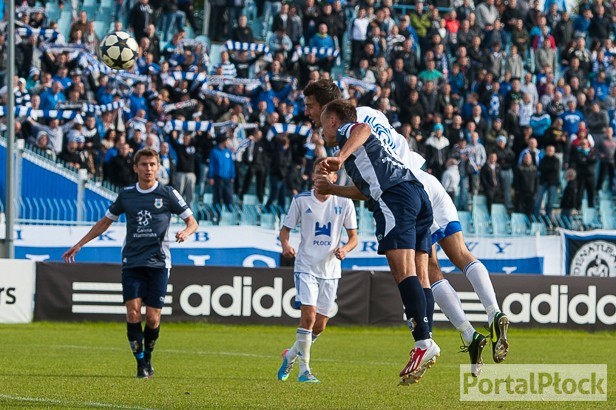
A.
pixel 317 267
pixel 446 231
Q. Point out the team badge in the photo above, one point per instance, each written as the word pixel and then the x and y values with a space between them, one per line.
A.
pixel 158 203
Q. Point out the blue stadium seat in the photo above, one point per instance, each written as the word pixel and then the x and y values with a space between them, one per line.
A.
pixel 268 221
pixel 500 219
pixel 538 228
pixel 227 217
pixel 466 221
pixel 608 219
pixel 589 217
pixel 108 3
pixel 481 221
pixel 519 224
pixel 250 199
pixel 249 214
pixel 208 198
pixel 100 28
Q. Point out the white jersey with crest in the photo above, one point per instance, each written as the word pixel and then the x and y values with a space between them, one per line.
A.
pixel 443 207
pixel 321 231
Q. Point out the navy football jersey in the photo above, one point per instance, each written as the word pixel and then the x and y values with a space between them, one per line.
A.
pixel 148 215
pixel 375 166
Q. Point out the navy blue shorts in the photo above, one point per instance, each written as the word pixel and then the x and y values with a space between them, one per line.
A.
pixel 149 284
pixel 403 218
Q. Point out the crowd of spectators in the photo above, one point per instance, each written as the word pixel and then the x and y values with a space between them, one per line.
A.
pixel 501 98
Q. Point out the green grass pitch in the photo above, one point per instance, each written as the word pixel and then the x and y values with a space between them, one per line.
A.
pixel 203 366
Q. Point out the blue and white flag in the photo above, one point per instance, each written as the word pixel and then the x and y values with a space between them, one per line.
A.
pixel 303 130
pixel 350 81
pixel 231 97
pixel 44 33
pixel 240 46
pixel 194 126
pixel 212 79
pixel 23 111
pixel 99 109
pixel 319 52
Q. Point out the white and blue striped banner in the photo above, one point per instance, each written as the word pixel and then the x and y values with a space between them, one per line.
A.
pixel 45 33
pixel 303 130
pixel 319 52
pixel 350 81
pixel 231 97
pixel 212 79
pixel 180 105
pixel 239 46
pixel 61 48
pixel 194 126
pixel 98 109
pixel 23 111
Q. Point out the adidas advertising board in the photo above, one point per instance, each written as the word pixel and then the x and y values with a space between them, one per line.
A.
pixel 240 295
pixel 16 290
pixel 249 246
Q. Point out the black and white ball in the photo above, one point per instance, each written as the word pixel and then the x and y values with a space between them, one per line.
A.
pixel 119 50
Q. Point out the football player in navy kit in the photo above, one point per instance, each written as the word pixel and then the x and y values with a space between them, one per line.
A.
pixel 146 259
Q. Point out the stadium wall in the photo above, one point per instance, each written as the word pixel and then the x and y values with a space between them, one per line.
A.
pixel 249 246
pixel 92 292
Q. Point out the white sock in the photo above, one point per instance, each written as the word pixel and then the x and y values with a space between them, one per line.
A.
pixel 292 352
pixel 478 276
pixel 449 302
pixel 304 341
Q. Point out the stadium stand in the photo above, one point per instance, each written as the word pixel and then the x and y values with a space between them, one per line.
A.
pixel 484 71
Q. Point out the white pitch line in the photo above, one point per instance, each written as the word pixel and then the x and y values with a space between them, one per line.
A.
pixel 71 403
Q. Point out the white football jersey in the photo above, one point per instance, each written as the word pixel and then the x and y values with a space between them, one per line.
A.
pixel 442 206
pixel 321 231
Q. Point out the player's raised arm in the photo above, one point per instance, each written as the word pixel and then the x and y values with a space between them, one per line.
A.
pixel 324 186
pixel 191 227
pixel 359 134
pixel 98 229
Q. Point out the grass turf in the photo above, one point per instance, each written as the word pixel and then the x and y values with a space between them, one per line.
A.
pixel 200 366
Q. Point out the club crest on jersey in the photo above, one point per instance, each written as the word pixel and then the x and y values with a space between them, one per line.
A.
pixel 338 210
pixel 158 203
pixel 323 230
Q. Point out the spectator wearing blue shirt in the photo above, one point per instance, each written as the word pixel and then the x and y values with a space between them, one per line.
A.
pixel 222 171
pixel 321 39
pixel 582 23
pixel 51 97
pixel 62 77
pixel 571 118
pixel 540 121
pixel 137 100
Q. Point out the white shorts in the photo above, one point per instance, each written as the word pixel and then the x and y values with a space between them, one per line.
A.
pixel 313 291
pixel 446 220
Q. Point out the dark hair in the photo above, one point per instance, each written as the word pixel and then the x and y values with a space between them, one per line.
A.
pixel 344 110
pixel 323 90
pixel 146 152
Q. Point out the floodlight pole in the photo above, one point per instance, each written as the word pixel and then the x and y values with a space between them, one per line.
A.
pixel 10 133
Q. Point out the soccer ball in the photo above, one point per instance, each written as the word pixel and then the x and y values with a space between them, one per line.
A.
pixel 119 50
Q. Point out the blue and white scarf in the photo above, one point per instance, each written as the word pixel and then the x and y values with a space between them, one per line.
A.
pixel 231 97
pixel 194 126
pixel 23 111
pixel 239 46
pixel 44 33
pixel 303 130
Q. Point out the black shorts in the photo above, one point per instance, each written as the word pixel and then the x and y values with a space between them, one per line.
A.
pixel 403 218
pixel 149 284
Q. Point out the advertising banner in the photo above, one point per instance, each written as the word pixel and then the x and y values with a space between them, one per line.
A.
pixel 249 246
pixel 85 292
pixel 589 253
pixel 16 290
pixel 92 292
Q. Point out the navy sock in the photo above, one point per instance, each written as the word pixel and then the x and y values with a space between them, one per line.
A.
pixel 135 338
pixel 150 336
pixel 414 301
pixel 429 307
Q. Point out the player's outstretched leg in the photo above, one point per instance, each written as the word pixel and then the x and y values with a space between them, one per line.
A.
pixel 423 355
pixel 150 336
pixel 450 304
pixel 477 274
pixel 498 335
pixel 474 350
pixel 135 339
